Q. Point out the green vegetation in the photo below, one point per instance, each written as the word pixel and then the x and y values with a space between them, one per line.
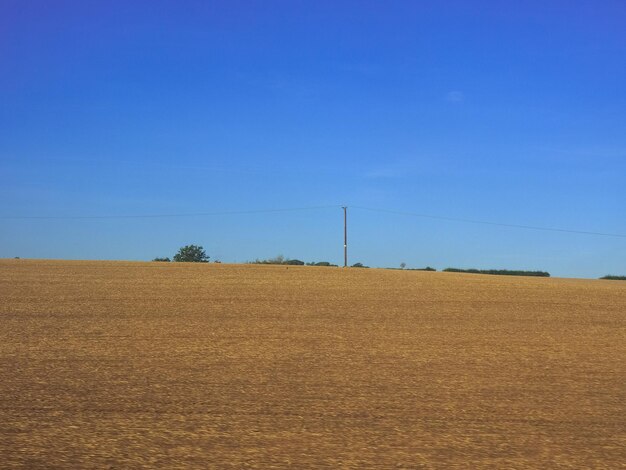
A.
pixel 359 265
pixel 162 260
pixel 427 268
pixel 614 278
pixel 191 254
pixel 280 259
pixel 499 272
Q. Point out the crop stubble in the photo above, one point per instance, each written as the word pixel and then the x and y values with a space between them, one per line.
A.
pixel 120 364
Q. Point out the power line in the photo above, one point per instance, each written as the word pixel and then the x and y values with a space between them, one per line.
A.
pixel 482 222
pixel 298 209
pixel 157 216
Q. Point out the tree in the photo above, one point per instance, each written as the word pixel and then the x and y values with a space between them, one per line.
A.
pixel 191 254
pixel 402 265
pixel 280 259
pixel 163 260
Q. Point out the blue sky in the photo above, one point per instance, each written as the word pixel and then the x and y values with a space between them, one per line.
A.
pixel 510 113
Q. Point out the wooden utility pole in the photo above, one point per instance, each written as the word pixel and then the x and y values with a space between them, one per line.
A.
pixel 345 236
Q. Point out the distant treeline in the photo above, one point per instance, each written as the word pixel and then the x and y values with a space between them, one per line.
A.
pixel 321 263
pixel 280 259
pixel 427 268
pixel 614 278
pixel 499 272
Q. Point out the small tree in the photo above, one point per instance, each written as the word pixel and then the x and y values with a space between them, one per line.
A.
pixel 191 254
pixel 402 265
pixel 280 259
pixel 163 260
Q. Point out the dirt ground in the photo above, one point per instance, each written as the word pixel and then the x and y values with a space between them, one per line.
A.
pixel 176 365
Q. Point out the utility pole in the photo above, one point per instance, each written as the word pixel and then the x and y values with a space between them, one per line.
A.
pixel 345 236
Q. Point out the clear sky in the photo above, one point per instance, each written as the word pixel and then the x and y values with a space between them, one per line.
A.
pixel 509 112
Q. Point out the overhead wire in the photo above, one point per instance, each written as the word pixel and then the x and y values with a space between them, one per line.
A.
pixel 155 216
pixel 308 208
pixel 483 222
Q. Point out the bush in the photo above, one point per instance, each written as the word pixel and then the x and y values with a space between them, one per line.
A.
pixel 280 259
pixel 162 260
pixel 191 254
pixel 358 265
pixel 610 277
pixel 498 272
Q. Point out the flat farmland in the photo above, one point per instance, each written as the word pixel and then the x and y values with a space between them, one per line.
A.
pixel 131 365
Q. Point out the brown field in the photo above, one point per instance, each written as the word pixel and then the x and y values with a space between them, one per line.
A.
pixel 127 365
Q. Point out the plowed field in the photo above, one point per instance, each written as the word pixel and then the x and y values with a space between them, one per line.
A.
pixel 128 365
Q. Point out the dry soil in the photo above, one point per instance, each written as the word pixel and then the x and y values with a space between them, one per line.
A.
pixel 176 365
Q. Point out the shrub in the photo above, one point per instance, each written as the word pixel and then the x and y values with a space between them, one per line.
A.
pixel 280 259
pixel 162 260
pixel 359 265
pixel 294 262
pixel 610 277
pixel 498 272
